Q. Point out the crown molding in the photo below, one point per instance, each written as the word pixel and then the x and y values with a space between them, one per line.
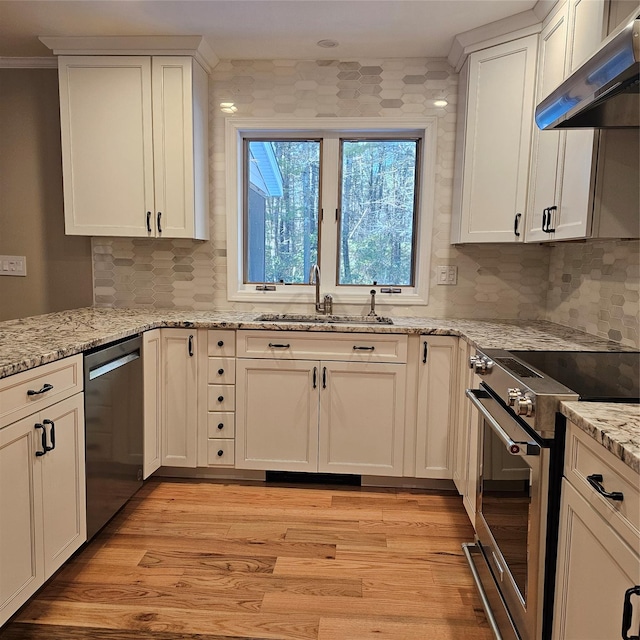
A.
pixel 28 63
pixel 195 46
pixel 510 28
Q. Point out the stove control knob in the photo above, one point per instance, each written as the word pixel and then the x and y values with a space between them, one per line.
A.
pixel 513 393
pixel 523 406
pixel 472 361
pixel 482 365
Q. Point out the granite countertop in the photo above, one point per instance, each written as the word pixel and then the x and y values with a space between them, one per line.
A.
pixel 614 425
pixel 29 342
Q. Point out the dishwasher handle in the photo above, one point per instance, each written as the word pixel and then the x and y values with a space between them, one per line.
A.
pixel 112 365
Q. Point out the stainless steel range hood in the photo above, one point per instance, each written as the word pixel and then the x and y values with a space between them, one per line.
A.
pixel 603 92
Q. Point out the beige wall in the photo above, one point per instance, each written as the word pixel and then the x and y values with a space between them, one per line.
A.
pixel 31 213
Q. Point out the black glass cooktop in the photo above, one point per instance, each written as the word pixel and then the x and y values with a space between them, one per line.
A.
pixel 594 375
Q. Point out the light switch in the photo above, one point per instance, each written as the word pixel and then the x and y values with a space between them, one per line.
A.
pixel 13 266
pixel 447 274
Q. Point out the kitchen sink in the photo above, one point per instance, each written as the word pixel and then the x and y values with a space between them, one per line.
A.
pixel 314 319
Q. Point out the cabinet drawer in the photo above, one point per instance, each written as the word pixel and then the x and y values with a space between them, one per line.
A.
pixel 302 345
pixel 221 397
pixel 585 457
pixel 221 371
pixel 221 424
pixel 221 453
pixel 64 376
pixel 221 343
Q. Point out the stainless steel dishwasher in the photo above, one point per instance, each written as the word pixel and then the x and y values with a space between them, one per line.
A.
pixel 113 403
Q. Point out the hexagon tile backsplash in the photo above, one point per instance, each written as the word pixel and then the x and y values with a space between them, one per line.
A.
pixel 494 281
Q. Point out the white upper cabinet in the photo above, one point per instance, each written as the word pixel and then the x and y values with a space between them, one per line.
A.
pixel 495 118
pixel 134 146
pixel 579 188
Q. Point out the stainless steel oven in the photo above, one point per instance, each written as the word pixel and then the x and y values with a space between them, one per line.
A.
pixel 511 516
pixel 522 448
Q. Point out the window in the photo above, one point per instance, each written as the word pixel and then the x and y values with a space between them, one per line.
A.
pixel 355 202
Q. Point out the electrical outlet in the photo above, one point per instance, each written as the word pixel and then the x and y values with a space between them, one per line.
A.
pixel 13 266
pixel 447 275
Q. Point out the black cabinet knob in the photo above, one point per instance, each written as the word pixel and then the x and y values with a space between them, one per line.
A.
pixel 220 453
pixel 220 372
pixel 220 398
pixel 221 425
pixel 221 343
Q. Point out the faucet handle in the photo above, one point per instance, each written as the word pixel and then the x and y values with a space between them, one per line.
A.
pixel 328 304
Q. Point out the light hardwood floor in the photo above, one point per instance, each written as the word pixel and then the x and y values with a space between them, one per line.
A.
pixel 200 560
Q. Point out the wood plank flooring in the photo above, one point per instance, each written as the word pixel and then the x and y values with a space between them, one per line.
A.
pixel 203 560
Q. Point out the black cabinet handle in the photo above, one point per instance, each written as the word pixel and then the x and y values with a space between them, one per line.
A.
pixel 324 377
pixel 220 453
pixel 220 398
pixel 425 349
pixel 551 229
pixel 221 343
pixel 595 480
pixel 45 387
pixel 273 345
pixel 158 221
pixel 148 221
pixel 357 348
pixel 516 224
pixel 43 441
pixel 221 425
pixel 627 612
pixel 52 434
pixel 315 377
pixel 544 220
pixel 191 346
pixel 220 372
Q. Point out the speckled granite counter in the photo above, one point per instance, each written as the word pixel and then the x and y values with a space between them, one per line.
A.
pixel 30 342
pixel 615 426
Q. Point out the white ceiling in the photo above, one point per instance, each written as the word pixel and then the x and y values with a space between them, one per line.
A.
pixel 259 29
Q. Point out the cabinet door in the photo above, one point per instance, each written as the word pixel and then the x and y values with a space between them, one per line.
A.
pixel 362 418
pixel 573 220
pixel 107 146
pixel 152 366
pixel 496 153
pixel 595 568
pixel 173 145
pixel 547 145
pixel 21 553
pixel 277 414
pixel 436 407
pixel 179 397
pixel 63 482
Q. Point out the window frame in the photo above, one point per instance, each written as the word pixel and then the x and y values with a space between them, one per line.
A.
pixel 331 131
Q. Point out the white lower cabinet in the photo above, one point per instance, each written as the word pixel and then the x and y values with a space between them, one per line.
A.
pixel 42 498
pixel 152 364
pixel 327 415
pixel 599 544
pixel 179 413
pixel 436 410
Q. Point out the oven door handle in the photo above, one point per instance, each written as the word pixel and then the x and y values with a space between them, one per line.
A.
pixel 514 448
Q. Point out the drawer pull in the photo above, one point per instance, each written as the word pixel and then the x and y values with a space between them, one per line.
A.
pixel 220 453
pixel 627 612
pixel 52 434
pixel 595 480
pixel 43 441
pixel 274 345
pixel 220 372
pixel 220 398
pixel 357 348
pixel 221 425
pixel 221 343
pixel 46 387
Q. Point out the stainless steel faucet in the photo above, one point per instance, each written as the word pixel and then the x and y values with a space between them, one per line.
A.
pixel 326 306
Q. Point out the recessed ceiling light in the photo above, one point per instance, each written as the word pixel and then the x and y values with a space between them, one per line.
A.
pixel 440 103
pixel 327 44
